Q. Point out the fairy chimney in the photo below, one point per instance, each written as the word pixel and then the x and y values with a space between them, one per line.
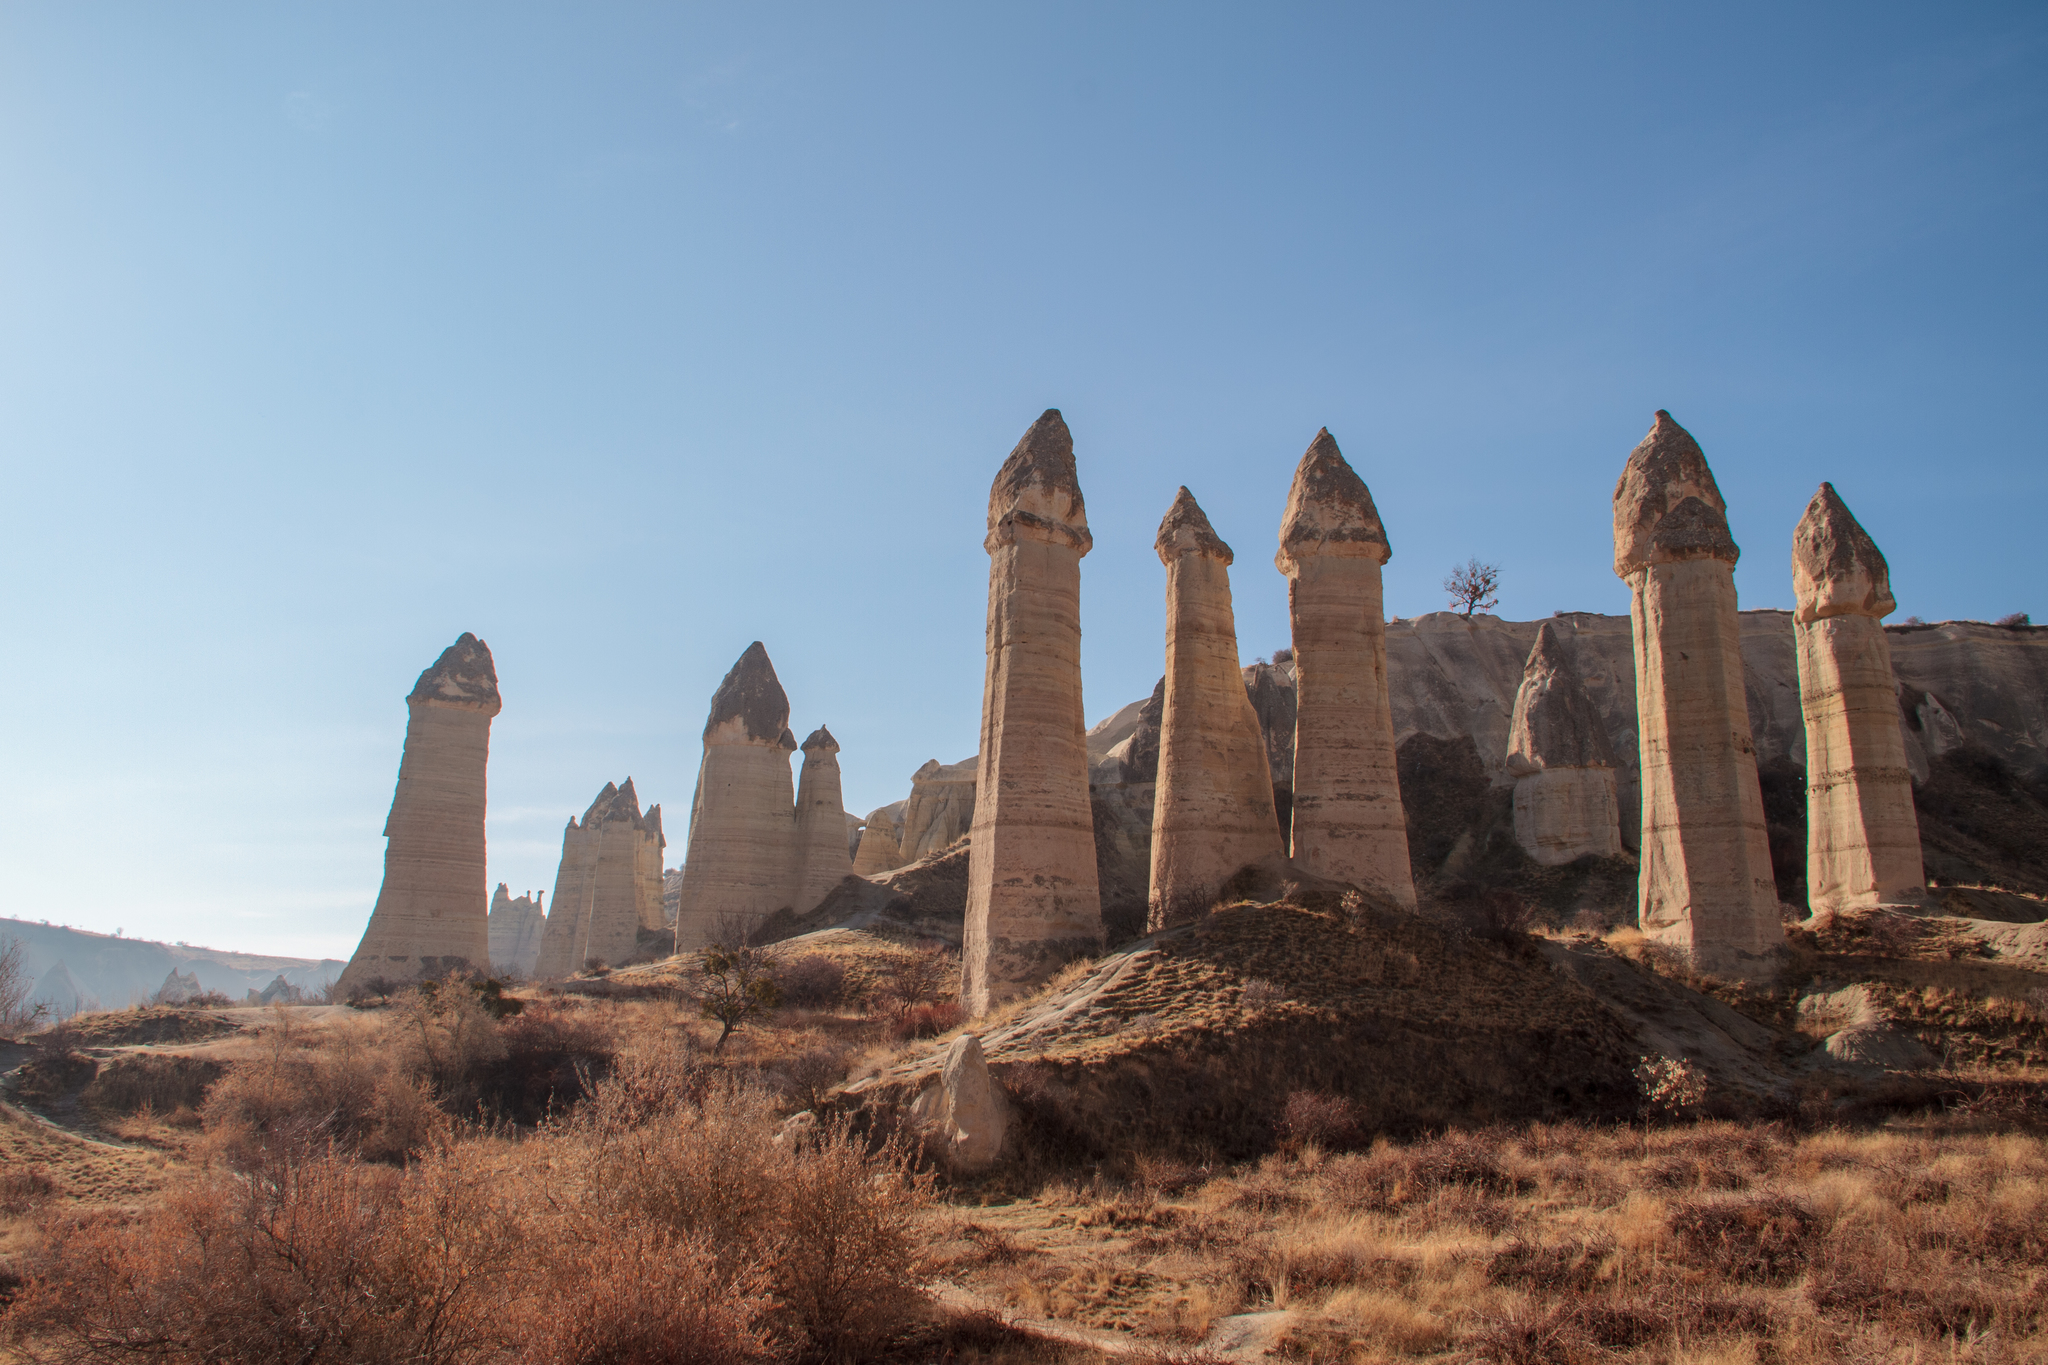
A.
pixel 1566 804
pixel 1032 896
pixel 878 851
pixel 1212 811
pixel 433 911
pixel 1706 887
pixel 1347 820
pixel 822 860
pixel 1862 836
pixel 606 908
pixel 742 845
pixel 517 927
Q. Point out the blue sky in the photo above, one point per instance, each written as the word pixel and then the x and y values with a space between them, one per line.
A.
pixel 625 335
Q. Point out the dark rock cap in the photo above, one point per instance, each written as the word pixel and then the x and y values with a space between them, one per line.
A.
pixel 464 675
pixel 821 738
pixel 1837 569
pixel 615 805
pixel 1329 510
pixel 1692 530
pixel 1555 723
pixel 1038 490
pixel 1186 531
pixel 752 692
pixel 1666 467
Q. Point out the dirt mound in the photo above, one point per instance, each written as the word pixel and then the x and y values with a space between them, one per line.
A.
pixel 926 899
pixel 1191 1041
pixel 130 1028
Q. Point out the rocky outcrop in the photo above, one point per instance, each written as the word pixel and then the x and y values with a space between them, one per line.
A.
pixel 1562 763
pixel 940 809
pixel 1347 820
pixel 1862 837
pixel 433 913
pixel 962 1115
pixel 1213 811
pixel 177 989
pixel 608 893
pixel 1271 689
pixel 822 861
pixel 1032 899
pixel 738 869
pixel 1706 885
pixel 517 928
pixel 879 850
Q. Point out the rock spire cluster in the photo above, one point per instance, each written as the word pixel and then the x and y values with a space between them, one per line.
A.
pixel 1213 805
pixel 433 911
pixel 1705 886
pixel 607 905
pixel 1566 801
pixel 517 927
pixel 1033 901
pixel 1863 837
pixel 1348 823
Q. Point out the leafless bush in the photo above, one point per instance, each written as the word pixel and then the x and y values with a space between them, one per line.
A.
pixel 811 981
pixel 158 1083
pixel 2018 618
pixel 924 1021
pixel 25 1188
pixel 16 1013
pixel 291 1098
pixel 812 1073
pixel 1312 1118
pixel 1258 993
pixel 1473 587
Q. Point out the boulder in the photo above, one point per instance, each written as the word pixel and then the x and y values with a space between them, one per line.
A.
pixel 963 1115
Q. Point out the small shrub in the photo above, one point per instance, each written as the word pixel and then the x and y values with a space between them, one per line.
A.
pixel 812 1073
pixel 924 1021
pixel 811 981
pixel 554 1056
pixel 1670 1087
pixel 1763 1239
pixel 2017 619
pixel 1259 993
pixel 24 1189
pixel 735 985
pixel 1572 1266
pixel 1311 1118
pixel 55 1074
pixel 161 1083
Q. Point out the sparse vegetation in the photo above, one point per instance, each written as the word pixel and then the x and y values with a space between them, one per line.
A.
pixel 1473 587
pixel 735 984
pixel 16 1013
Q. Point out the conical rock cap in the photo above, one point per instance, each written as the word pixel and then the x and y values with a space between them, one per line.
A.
pixel 1837 569
pixel 1664 469
pixel 1555 723
pixel 752 696
pixel 1329 510
pixel 1186 531
pixel 1037 493
pixel 821 738
pixel 464 675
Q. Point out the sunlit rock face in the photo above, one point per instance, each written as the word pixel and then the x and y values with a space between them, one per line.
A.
pixel 822 861
pixel 739 865
pixel 1033 901
pixel 1213 806
pixel 1706 887
pixel 1862 836
pixel 608 892
pixel 940 808
pixel 433 911
pixel 1348 823
pixel 517 927
pixel 1566 805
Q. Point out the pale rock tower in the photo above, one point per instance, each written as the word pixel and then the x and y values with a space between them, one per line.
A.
pixel 1033 901
pixel 1862 835
pixel 433 911
pixel 1566 804
pixel 742 845
pixel 879 850
pixel 1212 812
pixel 1348 823
pixel 822 859
pixel 517 926
pixel 606 907
pixel 1706 887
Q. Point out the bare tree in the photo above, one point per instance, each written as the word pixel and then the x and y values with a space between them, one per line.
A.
pixel 1473 587
pixel 15 984
pixel 735 984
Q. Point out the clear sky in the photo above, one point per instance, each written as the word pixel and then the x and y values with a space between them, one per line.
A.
pixel 625 335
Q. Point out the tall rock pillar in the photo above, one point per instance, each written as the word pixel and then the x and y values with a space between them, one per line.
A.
pixel 433 911
pixel 1705 887
pixel 822 859
pixel 742 848
pixel 1212 812
pixel 1033 902
pixel 1862 835
pixel 1347 823
pixel 1566 803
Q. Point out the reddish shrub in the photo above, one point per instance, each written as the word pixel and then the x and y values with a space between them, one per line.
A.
pixel 1310 1117
pixel 925 1021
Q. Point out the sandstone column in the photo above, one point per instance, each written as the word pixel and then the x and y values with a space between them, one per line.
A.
pixel 561 944
pixel 516 930
pixel 1566 804
pixel 1032 896
pixel 742 847
pixel 1212 813
pixel 878 850
pixel 1347 823
pixel 647 892
pixel 1706 887
pixel 822 860
pixel 1862 836
pixel 433 912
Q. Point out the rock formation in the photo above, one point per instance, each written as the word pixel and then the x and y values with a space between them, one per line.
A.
pixel 517 928
pixel 878 851
pixel 1032 897
pixel 1213 808
pixel 1271 689
pixel 1565 799
pixel 608 894
pixel 940 809
pixel 1706 887
pixel 963 1114
pixel 1348 824
pixel 822 861
pixel 433 912
pixel 1862 837
pixel 743 820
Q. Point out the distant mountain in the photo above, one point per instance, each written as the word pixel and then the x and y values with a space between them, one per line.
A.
pixel 112 973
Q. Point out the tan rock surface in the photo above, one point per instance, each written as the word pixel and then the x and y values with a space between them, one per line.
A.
pixel 1706 886
pixel 963 1114
pixel 1562 762
pixel 940 808
pixel 879 850
pixel 605 899
pixel 822 861
pixel 1348 824
pixel 741 857
pixel 1213 808
pixel 517 926
pixel 1862 836
pixel 1032 899
pixel 433 911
